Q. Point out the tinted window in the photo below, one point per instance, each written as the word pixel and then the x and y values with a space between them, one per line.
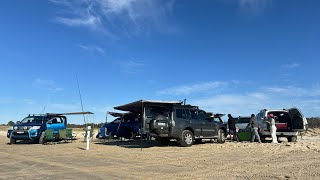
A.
pixel 193 114
pixel 203 115
pixel 116 121
pixel 243 120
pixel 180 113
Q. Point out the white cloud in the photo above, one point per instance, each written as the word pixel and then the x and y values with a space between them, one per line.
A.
pixel 291 65
pixel 114 17
pixel 195 88
pixel 287 91
pixel 47 85
pixel 132 67
pixel 92 48
pixel 6 100
pixel 238 102
pixel 253 7
pixel 64 107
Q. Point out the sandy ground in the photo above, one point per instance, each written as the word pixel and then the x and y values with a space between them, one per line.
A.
pixel 149 160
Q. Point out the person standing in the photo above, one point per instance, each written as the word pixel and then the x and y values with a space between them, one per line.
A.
pixel 232 128
pixel 273 128
pixel 254 125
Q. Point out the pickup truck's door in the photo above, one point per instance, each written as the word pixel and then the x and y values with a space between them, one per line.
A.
pixel 298 121
pixel 56 124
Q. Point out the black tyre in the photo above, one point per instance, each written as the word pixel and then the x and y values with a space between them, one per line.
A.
pixel 263 139
pixel 13 141
pixel 221 136
pixel 292 139
pixel 187 138
pixel 41 139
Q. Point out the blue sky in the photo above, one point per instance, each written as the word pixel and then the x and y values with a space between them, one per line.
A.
pixel 227 56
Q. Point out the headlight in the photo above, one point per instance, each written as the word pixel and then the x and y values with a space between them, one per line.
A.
pixel 35 127
pixel 15 127
pixel 10 128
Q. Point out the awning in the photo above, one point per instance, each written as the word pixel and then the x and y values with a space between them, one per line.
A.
pixel 117 114
pixel 69 113
pixel 137 105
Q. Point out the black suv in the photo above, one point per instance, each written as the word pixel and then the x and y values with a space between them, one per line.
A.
pixel 167 120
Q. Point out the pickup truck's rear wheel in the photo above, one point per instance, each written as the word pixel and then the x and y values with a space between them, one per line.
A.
pixel 187 138
pixel 41 139
pixel 221 136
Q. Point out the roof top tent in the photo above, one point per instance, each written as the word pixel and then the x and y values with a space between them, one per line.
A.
pixel 142 106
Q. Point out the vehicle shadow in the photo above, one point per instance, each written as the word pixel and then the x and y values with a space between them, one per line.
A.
pixel 135 143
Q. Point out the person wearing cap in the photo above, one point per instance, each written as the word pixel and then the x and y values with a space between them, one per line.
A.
pixel 254 125
pixel 273 128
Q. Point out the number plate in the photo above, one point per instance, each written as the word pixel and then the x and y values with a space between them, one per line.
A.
pixel 20 132
pixel 161 124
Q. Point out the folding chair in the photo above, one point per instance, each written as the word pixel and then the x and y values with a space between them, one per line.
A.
pixel 63 135
pixel 70 136
pixel 49 137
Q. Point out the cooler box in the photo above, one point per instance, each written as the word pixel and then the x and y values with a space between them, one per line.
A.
pixel 244 136
pixel 283 126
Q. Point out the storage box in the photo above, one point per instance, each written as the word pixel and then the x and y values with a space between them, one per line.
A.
pixel 282 126
pixel 244 136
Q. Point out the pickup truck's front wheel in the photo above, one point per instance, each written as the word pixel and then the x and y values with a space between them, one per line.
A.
pixel 187 138
pixel 12 141
pixel 41 139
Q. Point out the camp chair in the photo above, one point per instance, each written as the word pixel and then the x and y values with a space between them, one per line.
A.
pixel 70 136
pixel 63 135
pixel 49 137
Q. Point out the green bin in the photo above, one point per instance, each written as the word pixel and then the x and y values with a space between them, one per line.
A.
pixel 244 136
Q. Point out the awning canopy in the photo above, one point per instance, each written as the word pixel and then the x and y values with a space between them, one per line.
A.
pixel 69 113
pixel 137 105
pixel 117 114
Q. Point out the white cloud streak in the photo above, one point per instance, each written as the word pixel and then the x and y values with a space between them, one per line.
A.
pixel 291 66
pixel 132 67
pixel 253 7
pixel 92 48
pixel 127 17
pixel 195 88
pixel 47 85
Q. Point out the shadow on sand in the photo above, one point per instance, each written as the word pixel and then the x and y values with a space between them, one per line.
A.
pixel 135 143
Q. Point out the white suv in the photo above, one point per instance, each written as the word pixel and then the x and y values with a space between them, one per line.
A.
pixel 288 122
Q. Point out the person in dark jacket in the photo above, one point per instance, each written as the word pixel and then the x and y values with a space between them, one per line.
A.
pixel 254 125
pixel 232 128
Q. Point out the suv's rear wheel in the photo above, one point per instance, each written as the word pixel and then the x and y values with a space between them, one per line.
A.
pixel 187 138
pixel 292 139
pixel 221 136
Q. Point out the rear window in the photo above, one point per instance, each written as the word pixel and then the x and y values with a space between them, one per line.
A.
pixel 243 120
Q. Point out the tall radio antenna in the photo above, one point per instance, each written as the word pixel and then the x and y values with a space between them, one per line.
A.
pixel 84 118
